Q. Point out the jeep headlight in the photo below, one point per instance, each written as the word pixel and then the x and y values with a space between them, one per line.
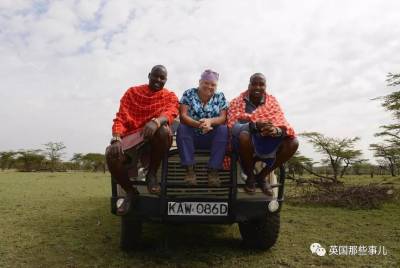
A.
pixel 273 206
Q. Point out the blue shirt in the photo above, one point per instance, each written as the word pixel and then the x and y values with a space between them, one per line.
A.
pixel 197 111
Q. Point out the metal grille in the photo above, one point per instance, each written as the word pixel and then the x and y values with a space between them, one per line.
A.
pixel 176 187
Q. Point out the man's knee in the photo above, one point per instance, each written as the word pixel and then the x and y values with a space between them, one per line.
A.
pixel 114 161
pixel 162 137
pixel 162 132
pixel 108 153
pixel 292 145
pixel 289 147
pixel 244 137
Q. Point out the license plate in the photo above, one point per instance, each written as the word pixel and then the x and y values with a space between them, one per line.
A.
pixel 198 208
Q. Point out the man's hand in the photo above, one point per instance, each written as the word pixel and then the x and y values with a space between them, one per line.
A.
pixel 149 129
pixel 267 129
pixel 205 125
pixel 116 151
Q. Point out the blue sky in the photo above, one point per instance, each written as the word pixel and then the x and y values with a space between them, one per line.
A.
pixel 65 64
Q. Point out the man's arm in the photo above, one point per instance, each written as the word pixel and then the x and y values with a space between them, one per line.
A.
pixel 171 110
pixel 277 126
pixel 122 116
pixel 167 116
pixel 153 125
pixel 280 120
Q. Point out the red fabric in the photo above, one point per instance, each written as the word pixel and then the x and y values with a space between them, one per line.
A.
pixel 269 111
pixel 140 104
pixel 226 165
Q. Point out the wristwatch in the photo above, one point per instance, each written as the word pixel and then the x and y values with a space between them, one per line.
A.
pixel 115 139
pixel 279 132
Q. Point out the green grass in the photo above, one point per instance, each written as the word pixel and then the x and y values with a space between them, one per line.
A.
pixel 63 220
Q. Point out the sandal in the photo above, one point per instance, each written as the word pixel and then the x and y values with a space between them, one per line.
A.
pixel 250 186
pixel 264 186
pixel 152 185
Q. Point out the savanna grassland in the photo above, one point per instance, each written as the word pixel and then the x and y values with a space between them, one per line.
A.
pixel 64 220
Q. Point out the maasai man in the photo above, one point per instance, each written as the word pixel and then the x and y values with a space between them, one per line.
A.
pixel 202 113
pixel 260 132
pixel 145 111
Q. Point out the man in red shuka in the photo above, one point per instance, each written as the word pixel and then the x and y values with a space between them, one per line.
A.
pixel 260 132
pixel 143 120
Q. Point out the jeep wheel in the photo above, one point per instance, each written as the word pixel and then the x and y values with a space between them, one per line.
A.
pixel 260 233
pixel 131 232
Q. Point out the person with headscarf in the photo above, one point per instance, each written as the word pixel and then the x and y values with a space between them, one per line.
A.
pixel 202 113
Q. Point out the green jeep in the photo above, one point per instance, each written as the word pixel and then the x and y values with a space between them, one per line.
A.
pixel 257 215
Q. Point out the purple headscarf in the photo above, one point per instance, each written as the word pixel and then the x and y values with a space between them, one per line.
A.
pixel 209 75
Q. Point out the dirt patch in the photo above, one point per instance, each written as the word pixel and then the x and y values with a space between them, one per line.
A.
pixel 369 196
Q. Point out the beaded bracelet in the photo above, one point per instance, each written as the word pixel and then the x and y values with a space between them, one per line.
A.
pixel 155 120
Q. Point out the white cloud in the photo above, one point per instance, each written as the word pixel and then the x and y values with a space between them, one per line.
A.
pixel 86 9
pixel 67 63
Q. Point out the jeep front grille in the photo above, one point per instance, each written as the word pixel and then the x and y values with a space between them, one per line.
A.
pixel 176 187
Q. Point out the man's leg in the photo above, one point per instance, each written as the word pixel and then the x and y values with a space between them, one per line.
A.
pixel 159 146
pixel 119 171
pixel 246 155
pixel 285 151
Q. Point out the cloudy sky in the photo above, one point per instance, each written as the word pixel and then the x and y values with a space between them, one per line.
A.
pixel 65 64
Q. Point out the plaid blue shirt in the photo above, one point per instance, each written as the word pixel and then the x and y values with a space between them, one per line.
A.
pixel 197 111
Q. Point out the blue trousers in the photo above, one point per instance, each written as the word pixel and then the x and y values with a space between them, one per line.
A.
pixel 188 140
pixel 264 147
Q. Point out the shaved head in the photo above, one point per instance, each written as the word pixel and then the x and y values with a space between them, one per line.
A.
pixel 257 75
pixel 158 67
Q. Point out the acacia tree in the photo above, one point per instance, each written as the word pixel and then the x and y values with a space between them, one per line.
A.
pixel 391 103
pixel 393 79
pixel 389 151
pixel 350 157
pixel 389 155
pixel 335 151
pixel 362 167
pixel 77 160
pixel 7 159
pixel 94 161
pixel 298 163
pixel 29 160
pixel 54 151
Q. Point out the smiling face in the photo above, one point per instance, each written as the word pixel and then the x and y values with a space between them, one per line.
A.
pixel 207 88
pixel 257 87
pixel 157 77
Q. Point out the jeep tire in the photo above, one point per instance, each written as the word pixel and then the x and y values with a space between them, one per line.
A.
pixel 260 233
pixel 131 232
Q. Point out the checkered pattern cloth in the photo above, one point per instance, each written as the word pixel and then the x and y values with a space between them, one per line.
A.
pixel 140 104
pixel 269 111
